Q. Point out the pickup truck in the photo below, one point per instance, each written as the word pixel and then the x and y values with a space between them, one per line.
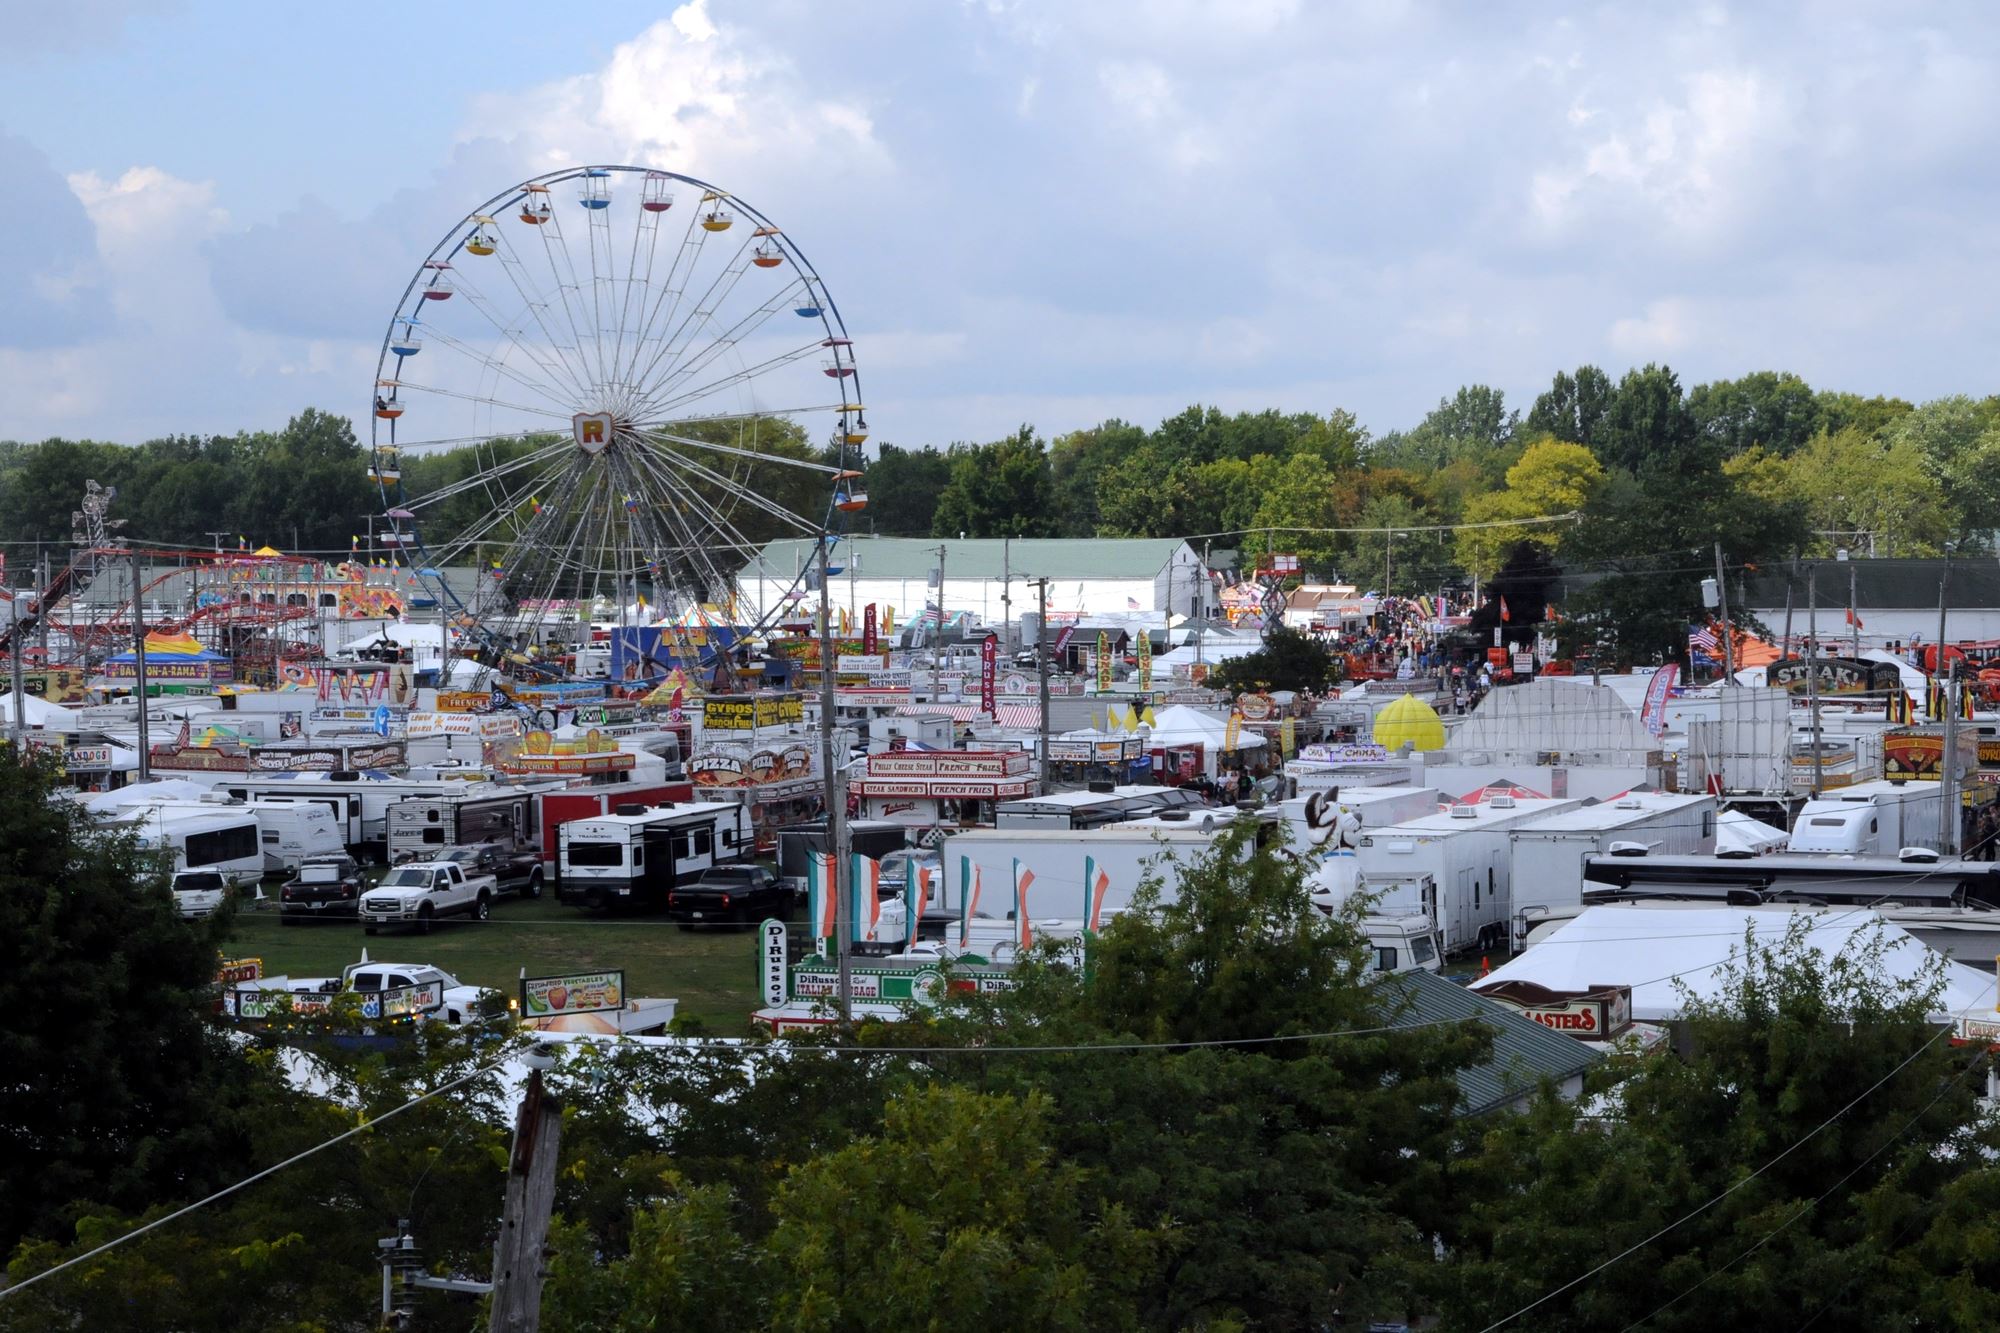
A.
pixel 739 895
pixel 419 893
pixel 413 989
pixel 325 886
pixel 514 869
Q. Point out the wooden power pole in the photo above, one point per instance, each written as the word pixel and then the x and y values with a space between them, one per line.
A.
pixel 524 1220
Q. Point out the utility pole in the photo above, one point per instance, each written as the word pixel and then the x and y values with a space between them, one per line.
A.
pixel 1042 673
pixel 1853 605
pixel 1785 644
pixel 524 1218
pixel 1201 623
pixel 41 611
pixel 139 674
pixel 1948 760
pixel 1812 669
pixel 1728 635
pixel 18 685
pixel 836 790
pixel 937 643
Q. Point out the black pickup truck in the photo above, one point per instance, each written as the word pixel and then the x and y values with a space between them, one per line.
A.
pixel 326 886
pixel 740 895
pixel 518 869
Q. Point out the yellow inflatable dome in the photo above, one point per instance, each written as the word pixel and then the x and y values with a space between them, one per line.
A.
pixel 1409 719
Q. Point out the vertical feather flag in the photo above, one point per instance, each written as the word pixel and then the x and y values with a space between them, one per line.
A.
pixel 968 899
pixel 1024 879
pixel 1505 614
pixel 1901 710
pixel 1934 704
pixel 820 889
pixel 1965 700
pixel 1095 884
pixel 866 872
pixel 914 898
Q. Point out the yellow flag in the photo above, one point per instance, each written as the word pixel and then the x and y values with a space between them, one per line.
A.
pixel 1234 731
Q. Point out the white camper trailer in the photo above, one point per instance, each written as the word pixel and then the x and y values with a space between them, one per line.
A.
pixel 221 838
pixel 1870 819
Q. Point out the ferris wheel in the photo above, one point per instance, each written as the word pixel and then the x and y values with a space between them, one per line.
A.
pixel 606 389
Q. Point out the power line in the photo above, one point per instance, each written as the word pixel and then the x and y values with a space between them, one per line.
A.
pixel 246 1182
pixel 1796 1144
pixel 1813 1203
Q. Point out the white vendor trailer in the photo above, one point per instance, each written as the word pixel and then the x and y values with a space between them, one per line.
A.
pixel 1870 819
pixel 1549 855
pixel 1456 868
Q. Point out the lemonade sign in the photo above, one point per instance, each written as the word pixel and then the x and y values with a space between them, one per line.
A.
pixel 576 993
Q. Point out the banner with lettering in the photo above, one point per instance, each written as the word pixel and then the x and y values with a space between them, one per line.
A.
pixel 870 640
pixel 1104 661
pixel 989 653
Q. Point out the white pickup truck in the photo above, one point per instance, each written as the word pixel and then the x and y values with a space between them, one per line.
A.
pixel 387 990
pixel 418 893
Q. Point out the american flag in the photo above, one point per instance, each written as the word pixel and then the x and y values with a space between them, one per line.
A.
pixel 1131 603
pixel 1703 640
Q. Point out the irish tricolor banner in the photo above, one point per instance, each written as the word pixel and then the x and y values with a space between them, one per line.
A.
pixel 968 899
pixel 914 898
pixel 819 896
pixel 1024 879
pixel 1095 883
pixel 867 876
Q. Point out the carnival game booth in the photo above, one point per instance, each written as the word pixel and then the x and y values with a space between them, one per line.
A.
pixel 943 788
pixel 175 664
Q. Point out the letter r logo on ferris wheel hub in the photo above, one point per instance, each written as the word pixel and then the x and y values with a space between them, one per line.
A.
pixel 592 430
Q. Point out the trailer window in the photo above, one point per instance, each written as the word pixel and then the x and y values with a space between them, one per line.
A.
pixel 596 854
pixel 228 844
pixel 703 844
pixel 434 836
pixel 1385 959
pixel 270 837
pixel 1421 950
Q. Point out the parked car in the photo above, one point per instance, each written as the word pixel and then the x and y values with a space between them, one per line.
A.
pixel 198 893
pixel 326 886
pixel 514 869
pixel 738 895
pixel 418 894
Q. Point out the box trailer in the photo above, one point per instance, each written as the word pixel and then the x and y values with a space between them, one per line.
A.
pixel 1325 823
pixel 1126 855
pixel 421 827
pixel 1549 855
pixel 1092 809
pixel 1455 867
pixel 360 801
pixel 558 807
pixel 636 856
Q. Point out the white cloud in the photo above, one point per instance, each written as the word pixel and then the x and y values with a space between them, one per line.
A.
pixel 1666 327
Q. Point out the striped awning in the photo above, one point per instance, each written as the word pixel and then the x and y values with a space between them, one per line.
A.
pixel 1023 717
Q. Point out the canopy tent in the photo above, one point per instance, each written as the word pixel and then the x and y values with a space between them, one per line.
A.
pixel 146 793
pixel 1409 719
pixel 172 647
pixel 38 713
pixel 1511 790
pixel 1738 832
pixel 1666 954
pixel 1178 724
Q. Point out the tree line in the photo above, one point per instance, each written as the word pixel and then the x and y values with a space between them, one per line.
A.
pixel 1222 1120
pixel 1643 475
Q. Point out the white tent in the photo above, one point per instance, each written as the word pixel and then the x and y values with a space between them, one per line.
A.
pixel 1738 832
pixel 1658 950
pixel 145 793
pixel 1178 724
pixel 38 713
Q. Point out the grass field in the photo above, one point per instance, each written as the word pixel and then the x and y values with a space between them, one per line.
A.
pixel 713 973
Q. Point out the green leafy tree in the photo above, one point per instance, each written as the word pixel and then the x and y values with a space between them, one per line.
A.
pixel 118 1092
pixel 1553 477
pixel 997 490
pixel 1075 462
pixel 1288 660
pixel 1778 411
pixel 1291 1180
pixel 1816 1115
pixel 1574 408
pixel 903 490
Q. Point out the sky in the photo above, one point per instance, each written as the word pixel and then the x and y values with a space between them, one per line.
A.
pixel 1034 211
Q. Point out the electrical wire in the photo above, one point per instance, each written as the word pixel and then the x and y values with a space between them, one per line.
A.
pixel 1810 1204
pixel 21 1286
pixel 1794 1146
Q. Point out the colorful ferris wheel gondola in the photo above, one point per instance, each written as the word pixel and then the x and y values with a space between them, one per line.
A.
pixel 840 365
pixel 767 254
pixel 404 340
pixel 484 238
pixel 716 218
pixel 437 286
pixel 656 193
pixel 596 188
pixel 535 208
pixel 388 406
